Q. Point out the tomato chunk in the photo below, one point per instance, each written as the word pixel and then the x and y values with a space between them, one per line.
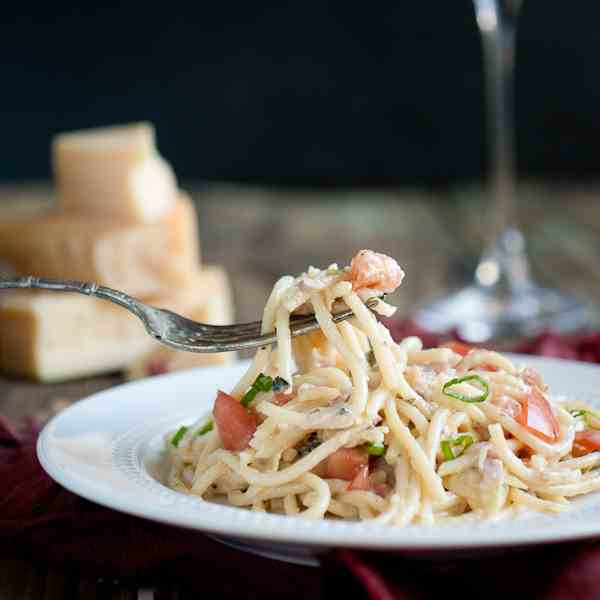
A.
pixel 346 463
pixel 586 441
pixel 537 417
pixel 361 481
pixel 281 399
pixel 458 347
pixel 464 349
pixel 235 423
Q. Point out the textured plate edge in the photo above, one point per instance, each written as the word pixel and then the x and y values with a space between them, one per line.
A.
pixel 316 538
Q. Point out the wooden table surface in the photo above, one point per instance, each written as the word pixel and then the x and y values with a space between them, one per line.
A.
pixel 259 234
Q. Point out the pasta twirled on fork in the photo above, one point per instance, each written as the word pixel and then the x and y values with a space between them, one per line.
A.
pixel 347 423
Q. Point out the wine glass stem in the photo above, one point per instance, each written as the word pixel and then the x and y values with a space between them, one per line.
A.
pixel 504 262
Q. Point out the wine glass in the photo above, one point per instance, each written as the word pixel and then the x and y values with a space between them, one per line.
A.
pixel 503 301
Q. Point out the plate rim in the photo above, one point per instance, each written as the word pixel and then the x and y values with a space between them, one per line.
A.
pixel 301 535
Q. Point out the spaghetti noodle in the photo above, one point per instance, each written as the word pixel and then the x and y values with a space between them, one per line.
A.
pixel 347 423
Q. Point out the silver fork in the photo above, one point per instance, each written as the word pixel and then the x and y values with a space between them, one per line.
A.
pixel 172 329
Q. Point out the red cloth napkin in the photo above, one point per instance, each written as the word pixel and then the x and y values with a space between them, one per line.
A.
pixel 42 521
pixel 584 346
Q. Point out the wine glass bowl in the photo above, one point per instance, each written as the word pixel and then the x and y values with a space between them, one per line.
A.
pixel 503 301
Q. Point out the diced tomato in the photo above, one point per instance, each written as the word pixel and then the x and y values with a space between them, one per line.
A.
pixel 586 441
pixel 281 399
pixel 536 416
pixel 361 481
pixel 458 347
pixel 464 349
pixel 321 469
pixel 525 452
pixel 235 423
pixel 346 463
pixel 578 450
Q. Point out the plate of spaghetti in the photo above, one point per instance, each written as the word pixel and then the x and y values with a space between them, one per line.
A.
pixel 345 436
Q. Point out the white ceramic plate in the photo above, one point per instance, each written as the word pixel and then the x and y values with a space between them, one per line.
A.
pixel 108 449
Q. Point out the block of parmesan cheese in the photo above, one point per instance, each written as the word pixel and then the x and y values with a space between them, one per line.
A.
pixel 140 259
pixel 55 337
pixel 113 172
pixel 215 308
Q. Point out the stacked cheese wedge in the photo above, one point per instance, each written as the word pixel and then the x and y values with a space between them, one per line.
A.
pixel 120 221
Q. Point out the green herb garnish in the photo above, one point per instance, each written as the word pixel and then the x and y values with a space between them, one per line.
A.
pixel 179 435
pixel 279 384
pixel 263 383
pixel 208 426
pixel 591 419
pixel 462 397
pixel 447 450
pixel 375 449
pixel 463 441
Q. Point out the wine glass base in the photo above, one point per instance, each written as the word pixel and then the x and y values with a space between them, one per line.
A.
pixel 477 314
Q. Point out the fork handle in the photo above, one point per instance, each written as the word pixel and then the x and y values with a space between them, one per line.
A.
pixel 62 285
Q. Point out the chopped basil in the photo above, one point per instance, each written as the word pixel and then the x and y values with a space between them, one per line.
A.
pixel 279 384
pixel 179 435
pixel 446 450
pixel 577 413
pixel 462 397
pixel 208 426
pixel 248 396
pixel 263 383
pixel 463 441
pixel 375 449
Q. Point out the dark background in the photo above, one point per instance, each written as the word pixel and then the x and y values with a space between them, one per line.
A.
pixel 298 92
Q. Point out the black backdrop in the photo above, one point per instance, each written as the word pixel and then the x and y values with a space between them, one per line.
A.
pixel 300 92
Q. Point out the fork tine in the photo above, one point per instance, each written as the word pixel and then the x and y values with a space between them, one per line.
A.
pixel 219 332
pixel 201 338
pixel 205 340
pixel 244 330
pixel 298 326
pixel 246 340
pixel 253 326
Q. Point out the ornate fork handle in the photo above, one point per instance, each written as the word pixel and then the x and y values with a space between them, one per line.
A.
pixel 80 287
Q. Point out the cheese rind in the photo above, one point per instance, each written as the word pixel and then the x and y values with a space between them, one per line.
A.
pixel 55 337
pixel 113 172
pixel 139 259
